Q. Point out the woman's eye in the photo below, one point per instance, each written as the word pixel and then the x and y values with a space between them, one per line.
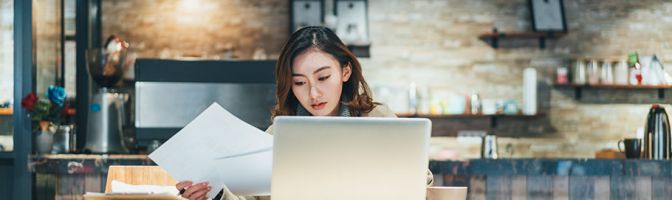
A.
pixel 299 83
pixel 324 78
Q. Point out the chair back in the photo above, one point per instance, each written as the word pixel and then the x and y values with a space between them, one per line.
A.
pixel 138 175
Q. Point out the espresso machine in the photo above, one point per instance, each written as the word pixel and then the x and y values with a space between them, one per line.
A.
pixel 107 115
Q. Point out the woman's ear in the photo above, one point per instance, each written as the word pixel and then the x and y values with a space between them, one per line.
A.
pixel 347 71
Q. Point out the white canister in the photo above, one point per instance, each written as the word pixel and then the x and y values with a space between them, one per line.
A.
pixel 579 74
pixel 606 73
pixel 593 73
pixel 529 91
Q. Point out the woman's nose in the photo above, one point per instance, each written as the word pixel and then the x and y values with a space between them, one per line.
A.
pixel 314 93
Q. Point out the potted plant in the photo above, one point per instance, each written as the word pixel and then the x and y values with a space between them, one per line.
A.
pixel 46 115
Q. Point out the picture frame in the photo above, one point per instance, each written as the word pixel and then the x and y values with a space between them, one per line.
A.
pixel 548 15
pixel 305 13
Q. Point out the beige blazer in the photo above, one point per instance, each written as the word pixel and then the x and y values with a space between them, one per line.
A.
pixel 378 111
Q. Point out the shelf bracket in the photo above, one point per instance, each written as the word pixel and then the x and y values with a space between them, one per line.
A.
pixel 661 93
pixel 493 122
pixel 494 42
pixel 542 42
pixel 577 93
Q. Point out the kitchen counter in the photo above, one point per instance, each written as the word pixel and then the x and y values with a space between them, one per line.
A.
pixel 98 163
pixel 557 178
pixel 553 167
pixel 83 163
pixel 64 175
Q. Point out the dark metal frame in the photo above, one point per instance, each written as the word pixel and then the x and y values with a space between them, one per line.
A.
pixel 60 81
pixel 562 12
pixel 205 71
pixel 21 182
pixel 88 35
pixel 24 77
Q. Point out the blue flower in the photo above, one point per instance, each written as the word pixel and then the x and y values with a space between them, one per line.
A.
pixel 56 94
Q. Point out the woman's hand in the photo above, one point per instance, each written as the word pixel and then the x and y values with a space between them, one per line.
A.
pixel 193 191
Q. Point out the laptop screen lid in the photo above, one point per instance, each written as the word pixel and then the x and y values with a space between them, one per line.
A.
pixel 349 158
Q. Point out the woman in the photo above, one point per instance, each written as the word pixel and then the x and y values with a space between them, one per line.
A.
pixel 316 75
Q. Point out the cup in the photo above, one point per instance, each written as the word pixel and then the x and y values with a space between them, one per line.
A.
pixel 446 193
pixel 633 147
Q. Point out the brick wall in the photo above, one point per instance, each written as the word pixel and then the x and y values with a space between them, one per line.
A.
pixel 434 43
pixel 201 28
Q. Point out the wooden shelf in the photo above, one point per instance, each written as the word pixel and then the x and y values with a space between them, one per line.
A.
pixel 493 118
pixel 494 37
pixel 411 115
pixel 9 111
pixel 578 88
pixel 361 50
pixel 617 86
pixel 6 111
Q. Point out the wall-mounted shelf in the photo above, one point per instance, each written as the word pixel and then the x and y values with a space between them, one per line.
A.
pixel 6 111
pixel 9 111
pixel 360 50
pixel 578 88
pixel 494 37
pixel 493 118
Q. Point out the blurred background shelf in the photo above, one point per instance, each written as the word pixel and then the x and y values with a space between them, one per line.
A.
pixel 493 117
pixel 6 111
pixel 578 88
pixel 494 37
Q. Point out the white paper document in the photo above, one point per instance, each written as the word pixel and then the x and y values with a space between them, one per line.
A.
pixel 218 148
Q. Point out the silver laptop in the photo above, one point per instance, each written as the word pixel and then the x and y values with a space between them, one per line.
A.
pixel 349 158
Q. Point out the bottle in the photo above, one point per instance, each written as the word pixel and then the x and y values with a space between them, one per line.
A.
pixel 593 73
pixel 606 73
pixel 579 72
pixel 413 98
pixel 475 102
pixel 635 69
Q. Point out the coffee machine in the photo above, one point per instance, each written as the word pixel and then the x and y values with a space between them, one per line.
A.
pixel 107 115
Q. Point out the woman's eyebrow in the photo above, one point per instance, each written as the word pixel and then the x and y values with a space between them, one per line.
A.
pixel 315 72
pixel 321 68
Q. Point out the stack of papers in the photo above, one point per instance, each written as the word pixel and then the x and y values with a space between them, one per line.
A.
pixel 121 187
pixel 129 196
pixel 218 148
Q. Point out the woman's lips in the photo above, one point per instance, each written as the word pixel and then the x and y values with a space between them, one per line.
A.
pixel 318 106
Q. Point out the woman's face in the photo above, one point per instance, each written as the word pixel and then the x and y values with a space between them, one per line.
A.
pixel 317 81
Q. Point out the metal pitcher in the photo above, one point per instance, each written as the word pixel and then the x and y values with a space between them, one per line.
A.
pixel 489 147
pixel 657 134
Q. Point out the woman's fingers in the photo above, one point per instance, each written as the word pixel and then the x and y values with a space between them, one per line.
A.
pixel 194 189
pixel 200 194
pixel 183 184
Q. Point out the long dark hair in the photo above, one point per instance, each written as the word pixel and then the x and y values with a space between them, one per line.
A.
pixel 356 94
